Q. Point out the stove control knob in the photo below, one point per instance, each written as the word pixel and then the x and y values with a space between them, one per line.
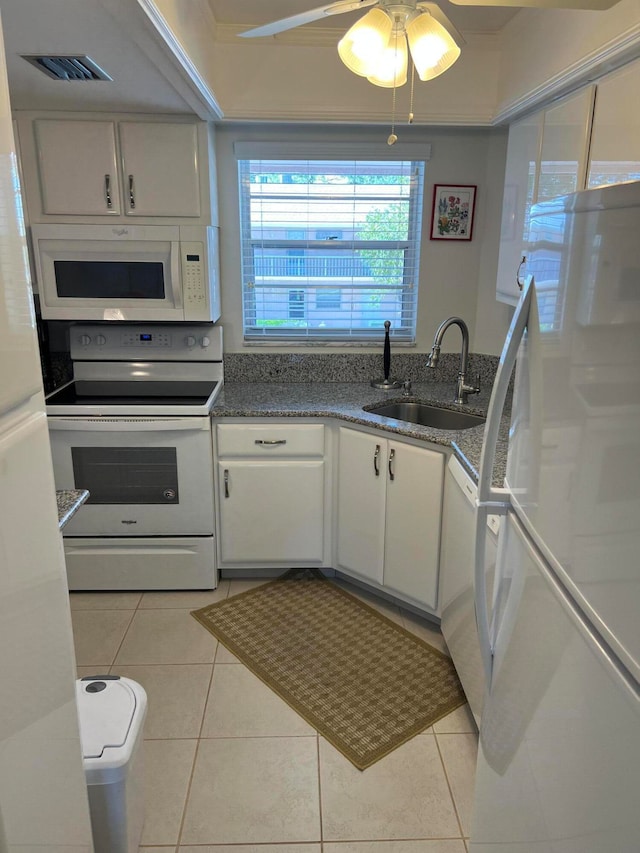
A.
pixel 101 340
pixel 205 342
pixel 85 340
pixel 190 341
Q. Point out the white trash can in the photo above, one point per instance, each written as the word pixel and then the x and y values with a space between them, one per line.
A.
pixel 112 710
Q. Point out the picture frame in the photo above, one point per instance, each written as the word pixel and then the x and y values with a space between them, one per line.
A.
pixel 453 211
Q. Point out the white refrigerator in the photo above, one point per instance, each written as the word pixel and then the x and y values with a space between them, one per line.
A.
pixel 43 795
pixel 559 755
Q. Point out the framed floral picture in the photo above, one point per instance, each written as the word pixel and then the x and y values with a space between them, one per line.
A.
pixel 453 207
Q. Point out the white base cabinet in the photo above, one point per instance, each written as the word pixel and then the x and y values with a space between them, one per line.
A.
pixel 271 511
pixel 270 494
pixel 389 514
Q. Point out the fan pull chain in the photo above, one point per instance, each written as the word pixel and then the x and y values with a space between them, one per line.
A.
pixel 413 77
pixel 392 138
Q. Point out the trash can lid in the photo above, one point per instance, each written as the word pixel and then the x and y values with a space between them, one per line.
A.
pixel 106 707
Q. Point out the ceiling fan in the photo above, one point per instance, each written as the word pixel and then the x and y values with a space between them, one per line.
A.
pixel 378 45
pixel 341 6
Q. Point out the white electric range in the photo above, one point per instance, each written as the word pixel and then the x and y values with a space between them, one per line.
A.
pixel 133 427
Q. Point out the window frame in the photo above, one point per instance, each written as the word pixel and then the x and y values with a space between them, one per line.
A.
pixel 368 331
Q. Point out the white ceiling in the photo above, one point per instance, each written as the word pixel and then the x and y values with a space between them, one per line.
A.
pixel 480 19
pixel 109 32
pixel 117 35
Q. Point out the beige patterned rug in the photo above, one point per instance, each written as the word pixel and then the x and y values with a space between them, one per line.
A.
pixel 366 684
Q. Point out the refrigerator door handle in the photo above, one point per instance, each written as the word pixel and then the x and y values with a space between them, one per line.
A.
pixel 494 500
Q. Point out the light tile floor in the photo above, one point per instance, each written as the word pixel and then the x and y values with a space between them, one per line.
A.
pixel 230 768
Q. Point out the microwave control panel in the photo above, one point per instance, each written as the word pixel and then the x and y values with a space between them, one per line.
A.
pixel 194 280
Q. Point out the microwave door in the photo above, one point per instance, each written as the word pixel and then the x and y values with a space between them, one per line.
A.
pixel 102 280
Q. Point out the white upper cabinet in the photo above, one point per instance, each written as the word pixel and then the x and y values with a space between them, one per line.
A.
pixel 546 157
pixel 78 166
pixel 160 169
pixel 615 140
pixel 118 168
pixel 565 141
pixel 520 187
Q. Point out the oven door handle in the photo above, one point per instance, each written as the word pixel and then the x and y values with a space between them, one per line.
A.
pixel 196 424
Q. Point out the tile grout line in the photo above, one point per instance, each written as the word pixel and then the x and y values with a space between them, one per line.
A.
pixel 198 741
pixel 188 794
pixel 446 776
pixel 206 702
pixel 135 610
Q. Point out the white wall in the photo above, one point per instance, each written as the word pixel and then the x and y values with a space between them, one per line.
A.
pixel 455 277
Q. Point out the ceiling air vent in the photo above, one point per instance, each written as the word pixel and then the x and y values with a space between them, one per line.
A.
pixel 68 67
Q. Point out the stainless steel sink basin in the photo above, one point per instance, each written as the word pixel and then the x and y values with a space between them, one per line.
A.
pixel 425 415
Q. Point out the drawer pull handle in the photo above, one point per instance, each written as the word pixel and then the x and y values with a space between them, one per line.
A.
pixel 272 443
pixel 376 457
pixel 226 482
pixel 392 456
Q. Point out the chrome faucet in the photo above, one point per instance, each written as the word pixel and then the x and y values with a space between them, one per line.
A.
pixel 463 390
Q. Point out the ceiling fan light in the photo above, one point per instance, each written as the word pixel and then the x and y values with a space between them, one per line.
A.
pixel 433 50
pixel 391 65
pixel 362 44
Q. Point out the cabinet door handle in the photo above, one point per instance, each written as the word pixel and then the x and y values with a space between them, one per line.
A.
pixel 226 482
pixel 392 456
pixel 520 265
pixel 270 443
pixel 132 196
pixel 376 457
pixel 107 191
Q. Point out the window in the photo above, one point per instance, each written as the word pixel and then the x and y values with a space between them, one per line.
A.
pixel 330 247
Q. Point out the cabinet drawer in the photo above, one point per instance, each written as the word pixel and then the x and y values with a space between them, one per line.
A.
pixel 268 440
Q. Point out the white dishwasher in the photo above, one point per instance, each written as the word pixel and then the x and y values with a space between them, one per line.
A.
pixel 456 573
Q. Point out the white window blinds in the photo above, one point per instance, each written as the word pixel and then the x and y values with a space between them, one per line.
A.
pixel 330 246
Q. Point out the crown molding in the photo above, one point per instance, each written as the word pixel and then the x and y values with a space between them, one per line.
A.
pixel 321 115
pixel 209 106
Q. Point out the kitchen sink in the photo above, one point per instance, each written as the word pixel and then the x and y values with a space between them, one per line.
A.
pixel 426 415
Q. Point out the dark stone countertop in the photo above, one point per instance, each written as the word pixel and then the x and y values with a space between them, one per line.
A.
pixel 69 501
pixel 345 401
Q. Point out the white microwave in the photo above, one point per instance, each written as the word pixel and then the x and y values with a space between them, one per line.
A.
pixel 127 272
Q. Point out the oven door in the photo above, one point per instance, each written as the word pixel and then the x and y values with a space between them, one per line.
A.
pixel 145 476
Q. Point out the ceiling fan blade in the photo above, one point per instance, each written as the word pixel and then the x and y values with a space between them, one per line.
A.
pixel 594 5
pixel 337 8
pixel 436 12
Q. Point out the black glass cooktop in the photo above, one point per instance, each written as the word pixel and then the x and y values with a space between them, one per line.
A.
pixel 118 393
